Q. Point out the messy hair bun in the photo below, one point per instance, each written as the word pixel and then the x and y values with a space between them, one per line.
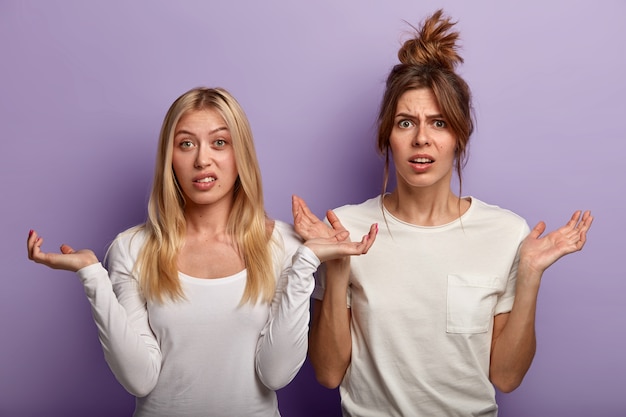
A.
pixel 428 60
pixel 435 44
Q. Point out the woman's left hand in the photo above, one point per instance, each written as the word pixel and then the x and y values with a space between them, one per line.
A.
pixel 538 253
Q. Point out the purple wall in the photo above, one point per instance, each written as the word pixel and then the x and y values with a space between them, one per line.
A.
pixel 84 87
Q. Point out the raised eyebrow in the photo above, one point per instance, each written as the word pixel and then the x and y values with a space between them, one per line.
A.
pixel 219 129
pixel 186 132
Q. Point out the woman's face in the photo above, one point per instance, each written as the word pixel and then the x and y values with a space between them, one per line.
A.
pixel 203 158
pixel 422 144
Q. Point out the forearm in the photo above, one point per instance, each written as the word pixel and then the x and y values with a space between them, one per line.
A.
pixel 282 345
pixel 134 358
pixel 513 349
pixel 330 345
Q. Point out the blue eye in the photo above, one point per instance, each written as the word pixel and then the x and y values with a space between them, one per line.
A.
pixel 185 144
pixel 220 143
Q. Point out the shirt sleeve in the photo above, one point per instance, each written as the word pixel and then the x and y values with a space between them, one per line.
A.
pixel 283 342
pixel 119 311
pixel 505 301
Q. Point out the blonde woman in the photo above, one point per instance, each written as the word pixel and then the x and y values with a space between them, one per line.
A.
pixel 204 309
pixel 442 308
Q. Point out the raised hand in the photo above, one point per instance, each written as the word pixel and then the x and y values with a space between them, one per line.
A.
pixel 68 259
pixel 538 253
pixel 308 226
pixel 329 248
pixel 328 242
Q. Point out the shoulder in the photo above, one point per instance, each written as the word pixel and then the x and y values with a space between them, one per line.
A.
pixel 128 243
pixel 285 235
pixel 482 208
pixel 498 216
pixel 367 207
pixel 357 218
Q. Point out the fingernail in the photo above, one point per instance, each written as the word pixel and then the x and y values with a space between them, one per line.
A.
pixel 30 233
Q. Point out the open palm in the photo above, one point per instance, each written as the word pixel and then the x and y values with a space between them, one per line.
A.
pixel 541 252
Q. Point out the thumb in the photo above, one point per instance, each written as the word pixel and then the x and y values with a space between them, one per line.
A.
pixel 538 230
pixel 66 249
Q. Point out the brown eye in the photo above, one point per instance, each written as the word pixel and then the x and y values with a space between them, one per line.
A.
pixel 404 124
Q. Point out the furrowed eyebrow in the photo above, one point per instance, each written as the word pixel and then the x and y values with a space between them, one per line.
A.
pixel 410 116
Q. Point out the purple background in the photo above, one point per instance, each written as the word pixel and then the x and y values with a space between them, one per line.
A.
pixel 84 87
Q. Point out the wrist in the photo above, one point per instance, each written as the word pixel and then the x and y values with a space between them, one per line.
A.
pixel 339 265
pixel 528 274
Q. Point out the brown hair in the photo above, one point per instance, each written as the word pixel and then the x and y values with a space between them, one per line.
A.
pixel 428 61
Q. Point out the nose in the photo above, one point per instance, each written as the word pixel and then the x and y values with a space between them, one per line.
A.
pixel 203 157
pixel 421 138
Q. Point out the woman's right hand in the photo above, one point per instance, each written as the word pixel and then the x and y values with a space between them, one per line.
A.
pixel 68 259
pixel 329 243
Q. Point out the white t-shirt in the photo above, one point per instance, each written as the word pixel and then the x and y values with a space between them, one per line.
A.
pixel 206 355
pixel 423 301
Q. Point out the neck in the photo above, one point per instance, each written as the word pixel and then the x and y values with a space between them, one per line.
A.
pixel 425 207
pixel 207 219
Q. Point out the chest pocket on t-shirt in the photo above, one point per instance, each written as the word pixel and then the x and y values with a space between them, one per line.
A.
pixel 471 303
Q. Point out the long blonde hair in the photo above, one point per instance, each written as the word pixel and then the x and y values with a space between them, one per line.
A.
pixel 157 264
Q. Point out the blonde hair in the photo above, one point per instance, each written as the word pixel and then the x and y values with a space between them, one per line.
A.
pixel 428 61
pixel 157 264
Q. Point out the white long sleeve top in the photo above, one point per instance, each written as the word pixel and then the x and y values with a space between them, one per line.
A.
pixel 206 355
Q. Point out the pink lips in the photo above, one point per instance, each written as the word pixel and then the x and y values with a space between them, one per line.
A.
pixel 204 185
pixel 421 166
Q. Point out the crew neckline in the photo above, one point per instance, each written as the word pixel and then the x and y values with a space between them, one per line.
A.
pixel 448 225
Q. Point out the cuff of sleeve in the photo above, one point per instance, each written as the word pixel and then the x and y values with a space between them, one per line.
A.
pixel 91 276
pixel 304 264
pixel 307 256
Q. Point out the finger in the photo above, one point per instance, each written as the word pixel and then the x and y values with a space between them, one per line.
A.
pixel 371 236
pixel 301 205
pixel 341 235
pixel 582 228
pixel 334 220
pixel 368 240
pixel 294 206
pixel 37 245
pixel 586 221
pixel 297 218
pixel 538 230
pixel 30 242
pixel 583 232
pixel 298 210
pixel 581 241
pixel 585 224
pixel 298 205
pixel 35 253
pixel 574 220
